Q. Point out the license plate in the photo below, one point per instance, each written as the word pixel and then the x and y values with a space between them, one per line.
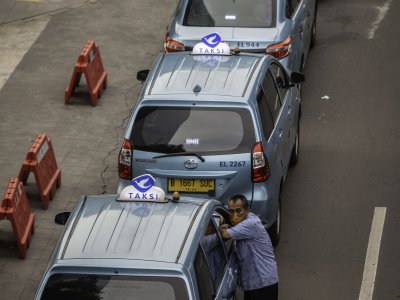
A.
pixel 248 44
pixel 190 185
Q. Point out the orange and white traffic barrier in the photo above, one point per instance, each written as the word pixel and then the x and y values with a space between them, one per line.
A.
pixel 15 208
pixel 89 63
pixel 41 160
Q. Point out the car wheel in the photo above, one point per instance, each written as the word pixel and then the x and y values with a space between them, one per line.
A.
pixel 294 157
pixel 274 231
pixel 314 31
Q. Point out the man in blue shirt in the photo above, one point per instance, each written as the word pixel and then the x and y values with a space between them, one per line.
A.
pixel 257 265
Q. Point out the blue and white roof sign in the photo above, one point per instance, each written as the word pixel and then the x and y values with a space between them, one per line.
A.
pixel 211 40
pixel 211 45
pixel 142 188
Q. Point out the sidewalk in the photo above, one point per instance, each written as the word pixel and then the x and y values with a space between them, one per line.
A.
pixel 86 139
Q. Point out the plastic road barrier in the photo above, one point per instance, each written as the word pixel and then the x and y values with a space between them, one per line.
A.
pixel 41 160
pixel 89 63
pixel 15 208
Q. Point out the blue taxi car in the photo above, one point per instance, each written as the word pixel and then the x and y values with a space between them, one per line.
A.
pixel 212 123
pixel 141 245
pixel 284 29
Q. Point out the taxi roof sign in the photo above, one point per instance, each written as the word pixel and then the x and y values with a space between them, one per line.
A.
pixel 142 188
pixel 211 45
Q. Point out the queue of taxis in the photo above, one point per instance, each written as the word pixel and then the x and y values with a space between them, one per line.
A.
pixel 141 244
pixel 212 123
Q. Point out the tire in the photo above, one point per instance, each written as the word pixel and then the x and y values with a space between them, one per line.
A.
pixel 274 231
pixel 294 157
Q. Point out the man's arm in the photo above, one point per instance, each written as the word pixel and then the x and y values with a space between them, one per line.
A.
pixel 245 229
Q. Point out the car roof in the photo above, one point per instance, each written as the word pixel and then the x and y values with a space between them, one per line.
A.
pixel 104 228
pixel 181 73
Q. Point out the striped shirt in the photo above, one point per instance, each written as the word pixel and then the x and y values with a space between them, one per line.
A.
pixel 255 253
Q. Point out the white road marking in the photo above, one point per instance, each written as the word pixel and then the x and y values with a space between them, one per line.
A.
pixel 382 10
pixel 16 39
pixel 371 259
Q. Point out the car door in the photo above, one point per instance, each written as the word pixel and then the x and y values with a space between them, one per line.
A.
pixel 229 284
pixel 288 111
pixel 295 11
pixel 220 257
pixel 269 105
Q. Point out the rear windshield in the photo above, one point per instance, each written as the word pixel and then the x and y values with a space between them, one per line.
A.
pixel 230 13
pixel 193 129
pixel 96 287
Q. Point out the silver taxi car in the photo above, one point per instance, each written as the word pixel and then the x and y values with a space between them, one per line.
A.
pixel 141 245
pixel 212 124
pixel 284 29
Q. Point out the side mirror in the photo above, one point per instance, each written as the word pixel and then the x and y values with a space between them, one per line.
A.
pixel 142 75
pixel 297 78
pixel 62 217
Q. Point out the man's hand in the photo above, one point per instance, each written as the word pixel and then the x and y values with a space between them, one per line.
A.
pixel 224 232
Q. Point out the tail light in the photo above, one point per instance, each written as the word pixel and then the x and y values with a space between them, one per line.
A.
pixel 125 160
pixel 173 46
pixel 280 50
pixel 260 167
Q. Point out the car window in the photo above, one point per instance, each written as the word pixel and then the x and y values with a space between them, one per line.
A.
pixel 280 79
pixel 265 114
pixel 203 275
pixel 193 129
pixel 271 93
pixel 291 7
pixel 215 255
pixel 228 13
pixel 87 287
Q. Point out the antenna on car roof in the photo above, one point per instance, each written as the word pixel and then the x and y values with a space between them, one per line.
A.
pixel 236 50
pixel 197 88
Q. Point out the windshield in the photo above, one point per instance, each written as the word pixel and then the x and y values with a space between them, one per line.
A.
pixel 192 129
pixel 96 287
pixel 230 13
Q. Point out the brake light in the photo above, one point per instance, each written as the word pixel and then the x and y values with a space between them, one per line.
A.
pixel 173 46
pixel 260 167
pixel 125 160
pixel 280 50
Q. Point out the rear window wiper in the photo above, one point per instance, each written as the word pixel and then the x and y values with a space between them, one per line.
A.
pixel 182 154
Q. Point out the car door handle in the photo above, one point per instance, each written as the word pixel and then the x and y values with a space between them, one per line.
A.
pixel 280 133
pixel 289 110
pixel 301 33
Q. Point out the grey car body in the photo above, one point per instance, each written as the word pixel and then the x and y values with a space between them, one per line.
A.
pixel 141 250
pixel 216 126
pixel 283 28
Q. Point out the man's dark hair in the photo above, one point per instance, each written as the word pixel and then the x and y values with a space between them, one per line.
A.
pixel 241 198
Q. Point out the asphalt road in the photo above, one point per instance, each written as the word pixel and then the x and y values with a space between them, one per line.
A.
pixel 348 163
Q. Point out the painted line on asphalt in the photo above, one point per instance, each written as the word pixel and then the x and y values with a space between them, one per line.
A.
pixel 16 40
pixel 371 259
pixel 382 10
